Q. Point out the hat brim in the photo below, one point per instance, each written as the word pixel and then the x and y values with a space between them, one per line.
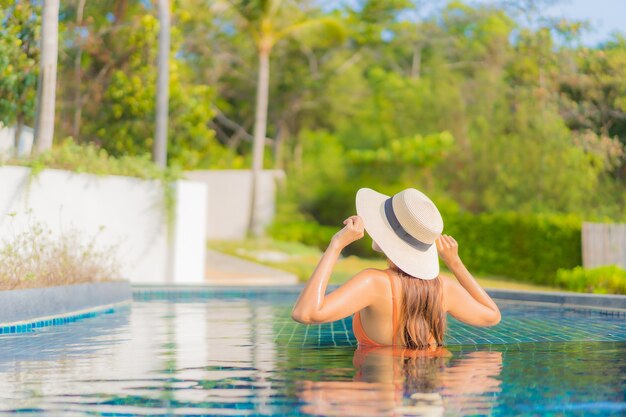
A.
pixel 423 264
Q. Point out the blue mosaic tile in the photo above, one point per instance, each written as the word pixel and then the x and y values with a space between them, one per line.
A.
pixel 57 321
pixel 520 324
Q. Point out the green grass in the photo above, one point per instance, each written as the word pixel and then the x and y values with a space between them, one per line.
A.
pixel 301 260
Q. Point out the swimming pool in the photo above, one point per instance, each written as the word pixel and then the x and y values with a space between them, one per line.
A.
pixel 237 353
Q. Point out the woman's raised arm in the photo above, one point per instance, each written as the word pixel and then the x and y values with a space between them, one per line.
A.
pixel 468 302
pixel 312 305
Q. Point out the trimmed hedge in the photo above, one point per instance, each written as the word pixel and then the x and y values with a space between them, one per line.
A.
pixel 526 247
pixel 308 233
pixel 602 280
pixel 314 234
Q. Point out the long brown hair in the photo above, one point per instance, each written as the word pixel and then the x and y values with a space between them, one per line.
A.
pixel 421 310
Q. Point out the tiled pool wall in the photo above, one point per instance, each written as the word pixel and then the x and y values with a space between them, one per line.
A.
pixel 341 330
pixel 520 323
pixel 29 327
pixel 606 304
pixel 24 310
pixel 543 322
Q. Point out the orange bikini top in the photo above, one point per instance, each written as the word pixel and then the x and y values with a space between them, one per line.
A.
pixel 357 328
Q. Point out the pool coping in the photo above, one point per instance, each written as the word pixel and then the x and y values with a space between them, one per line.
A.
pixel 608 302
pixel 26 309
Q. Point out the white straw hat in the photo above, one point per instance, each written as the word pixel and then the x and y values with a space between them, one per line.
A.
pixel 405 227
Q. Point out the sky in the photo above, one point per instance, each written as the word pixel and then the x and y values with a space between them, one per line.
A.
pixel 604 16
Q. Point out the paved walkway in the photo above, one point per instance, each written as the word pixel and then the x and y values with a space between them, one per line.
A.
pixel 224 269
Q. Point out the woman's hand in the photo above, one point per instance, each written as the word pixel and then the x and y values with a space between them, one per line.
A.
pixel 352 231
pixel 448 249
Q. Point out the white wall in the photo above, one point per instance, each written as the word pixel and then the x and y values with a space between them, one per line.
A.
pixel 7 141
pixel 124 211
pixel 228 205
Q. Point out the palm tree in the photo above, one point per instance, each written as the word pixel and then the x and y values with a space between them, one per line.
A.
pixel 78 74
pixel 160 137
pixel 269 22
pixel 46 90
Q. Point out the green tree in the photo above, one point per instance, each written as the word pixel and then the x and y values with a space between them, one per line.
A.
pixel 268 22
pixel 536 118
pixel 19 57
pixel 125 122
pixel 595 95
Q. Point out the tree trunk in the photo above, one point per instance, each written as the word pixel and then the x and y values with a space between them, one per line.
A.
pixel 46 90
pixel 260 126
pixel 416 65
pixel 297 155
pixel 279 144
pixel 19 124
pixel 78 74
pixel 160 140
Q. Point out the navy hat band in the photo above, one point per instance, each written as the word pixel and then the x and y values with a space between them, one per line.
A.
pixel 400 231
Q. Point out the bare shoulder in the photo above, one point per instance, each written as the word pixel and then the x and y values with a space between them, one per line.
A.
pixel 373 275
pixel 448 286
pixel 372 278
pixel 368 285
pixel 446 281
pixel 375 284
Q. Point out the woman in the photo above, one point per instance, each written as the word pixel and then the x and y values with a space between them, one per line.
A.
pixel 406 304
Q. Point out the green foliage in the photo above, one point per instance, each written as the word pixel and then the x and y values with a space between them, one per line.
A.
pixel 486 114
pixel 602 280
pixel 19 54
pixel 89 158
pixel 527 247
pixel 314 234
pixel 270 21
pixel 324 163
pixel 125 125
pixel 307 233
pixel 595 96
pixel 378 106
pixel 323 189
pixel 412 151
pixel 545 172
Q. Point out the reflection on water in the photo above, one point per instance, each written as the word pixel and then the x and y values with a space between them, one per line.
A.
pixel 246 357
pixel 395 382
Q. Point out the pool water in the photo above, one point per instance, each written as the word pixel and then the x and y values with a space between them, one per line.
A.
pixel 236 353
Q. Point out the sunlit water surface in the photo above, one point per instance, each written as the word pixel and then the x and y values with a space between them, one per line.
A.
pixel 242 356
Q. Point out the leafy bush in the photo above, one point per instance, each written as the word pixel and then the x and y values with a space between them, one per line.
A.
pixel 35 258
pixel 89 158
pixel 528 247
pixel 417 150
pixel 306 232
pixel 602 280
pixel 314 234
